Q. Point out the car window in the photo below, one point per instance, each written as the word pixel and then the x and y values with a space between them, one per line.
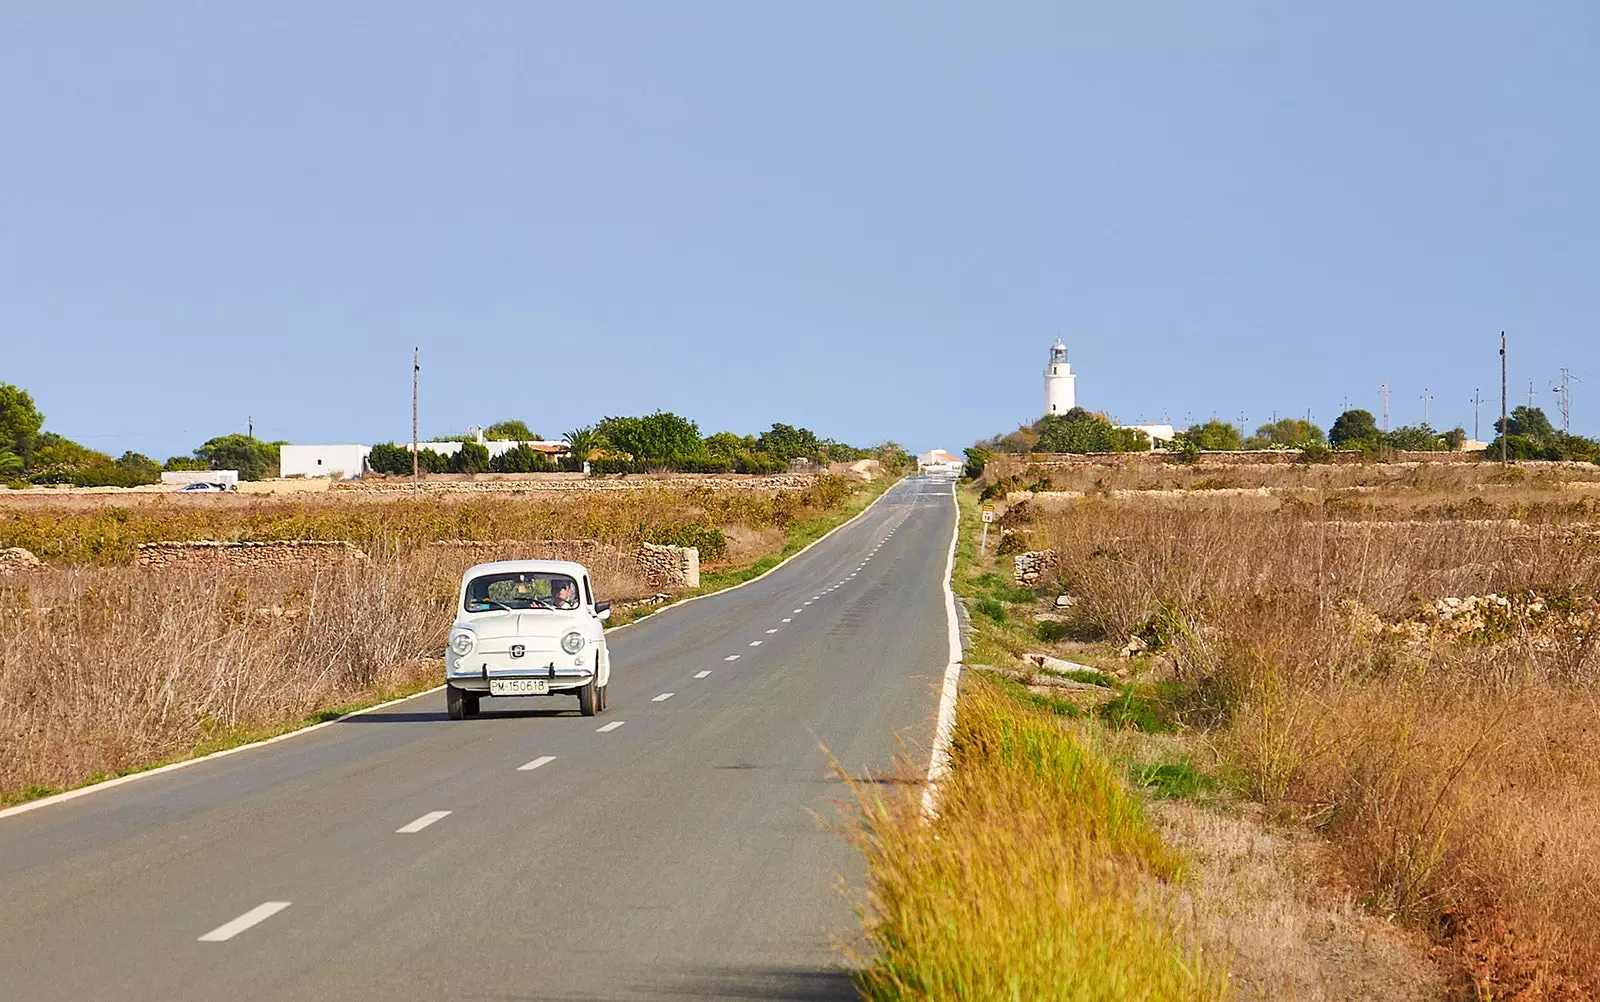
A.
pixel 588 598
pixel 516 590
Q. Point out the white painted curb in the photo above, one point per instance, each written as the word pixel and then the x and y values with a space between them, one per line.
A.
pixel 84 791
pixel 944 730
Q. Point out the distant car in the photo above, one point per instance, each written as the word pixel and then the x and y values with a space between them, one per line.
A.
pixel 207 487
pixel 527 628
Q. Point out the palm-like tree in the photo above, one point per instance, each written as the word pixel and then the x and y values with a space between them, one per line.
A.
pixel 10 463
pixel 583 441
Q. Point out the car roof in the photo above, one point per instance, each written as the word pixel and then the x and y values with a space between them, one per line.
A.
pixel 568 567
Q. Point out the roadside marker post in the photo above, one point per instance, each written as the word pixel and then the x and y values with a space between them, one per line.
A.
pixel 988 516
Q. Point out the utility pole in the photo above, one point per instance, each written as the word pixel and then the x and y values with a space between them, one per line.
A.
pixel 1564 388
pixel 416 377
pixel 1530 394
pixel 1476 400
pixel 1505 423
pixel 1385 408
pixel 1424 405
pixel 250 423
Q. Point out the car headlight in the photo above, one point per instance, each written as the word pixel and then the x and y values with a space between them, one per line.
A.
pixel 572 643
pixel 463 643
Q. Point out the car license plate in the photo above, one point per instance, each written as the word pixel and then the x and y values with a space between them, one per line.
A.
pixel 519 687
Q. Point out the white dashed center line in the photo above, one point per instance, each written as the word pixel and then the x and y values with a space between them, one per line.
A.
pixel 755 643
pixel 260 913
pixel 421 823
pixel 796 612
pixel 661 698
pixel 731 657
pixel 786 619
pixel 702 674
pixel 772 631
pixel 608 728
pixel 536 763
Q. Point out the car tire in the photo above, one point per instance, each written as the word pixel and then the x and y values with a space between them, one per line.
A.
pixel 469 703
pixel 602 698
pixel 589 700
pixel 455 702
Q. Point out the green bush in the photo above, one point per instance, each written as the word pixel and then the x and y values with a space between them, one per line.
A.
pixel 472 457
pixel 389 459
pixel 521 459
pixel 991 608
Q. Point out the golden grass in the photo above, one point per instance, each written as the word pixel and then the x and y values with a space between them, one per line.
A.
pixel 1456 772
pixel 1039 879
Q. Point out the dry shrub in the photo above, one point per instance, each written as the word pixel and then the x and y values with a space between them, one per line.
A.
pixel 110 669
pixel 1455 771
pixel 1038 879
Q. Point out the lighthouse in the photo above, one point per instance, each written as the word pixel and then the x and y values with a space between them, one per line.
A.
pixel 1059 393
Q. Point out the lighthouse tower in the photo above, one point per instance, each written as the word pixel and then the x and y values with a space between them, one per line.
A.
pixel 1059 392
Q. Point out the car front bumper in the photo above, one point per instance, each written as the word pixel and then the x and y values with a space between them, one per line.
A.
pixel 561 671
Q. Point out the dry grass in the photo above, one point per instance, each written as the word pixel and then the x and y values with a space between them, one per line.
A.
pixel 689 516
pixel 109 670
pixel 1040 878
pixel 1455 772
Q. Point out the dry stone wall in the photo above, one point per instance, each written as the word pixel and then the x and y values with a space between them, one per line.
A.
pixel 1030 568
pixel 253 554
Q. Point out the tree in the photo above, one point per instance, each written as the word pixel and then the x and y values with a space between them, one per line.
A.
pixel 1415 438
pixel 140 465
pixel 175 463
pixel 1354 429
pixel 1075 431
pixel 10 463
pixel 253 458
pixel 1216 436
pixel 1527 421
pixel 583 441
pixel 1286 433
pixel 977 459
pixel 510 431
pixel 655 438
pixel 57 452
pixel 727 445
pixel 472 457
pixel 521 459
pixel 785 443
pixel 390 459
pixel 1455 438
pixel 20 422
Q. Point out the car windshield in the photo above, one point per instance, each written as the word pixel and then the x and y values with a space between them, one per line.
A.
pixel 516 590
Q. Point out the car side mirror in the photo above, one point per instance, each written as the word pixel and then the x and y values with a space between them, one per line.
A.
pixel 603 610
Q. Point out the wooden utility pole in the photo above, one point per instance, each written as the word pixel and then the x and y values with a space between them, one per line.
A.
pixel 416 377
pixel 1505 424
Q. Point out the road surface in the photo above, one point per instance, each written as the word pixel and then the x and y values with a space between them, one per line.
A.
pixel 669 848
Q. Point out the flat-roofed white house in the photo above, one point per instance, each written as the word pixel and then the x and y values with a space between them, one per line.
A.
pixel 337 462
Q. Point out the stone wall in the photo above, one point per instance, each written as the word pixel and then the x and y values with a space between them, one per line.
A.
pixel 1030 568
pixel 669 567
pixel 271 553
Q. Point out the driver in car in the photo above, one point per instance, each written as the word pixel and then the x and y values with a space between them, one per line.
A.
pixel 566 595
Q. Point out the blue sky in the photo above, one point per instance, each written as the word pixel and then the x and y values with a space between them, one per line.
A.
pixel 868 218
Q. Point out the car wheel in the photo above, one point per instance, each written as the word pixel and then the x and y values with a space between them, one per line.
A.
pixel 602 698
pixel 588 700
pixel 455 702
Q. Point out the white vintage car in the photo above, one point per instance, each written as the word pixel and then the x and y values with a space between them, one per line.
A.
pixel 527 628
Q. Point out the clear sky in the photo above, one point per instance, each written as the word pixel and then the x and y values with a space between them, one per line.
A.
pixel 868 218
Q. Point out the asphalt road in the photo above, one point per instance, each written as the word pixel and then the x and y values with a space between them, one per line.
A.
pixel 678 854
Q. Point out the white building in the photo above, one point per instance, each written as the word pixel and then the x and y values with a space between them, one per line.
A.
pixel 1158 433
pixel 939 461
pixel 339 462
pixel 1060 392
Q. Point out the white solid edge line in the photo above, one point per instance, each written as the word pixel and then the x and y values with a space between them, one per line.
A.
pixel 84 791
pixel 702 674
pixel 260 913
pixel 944 730
pixel 422 822
pixel 662 698
pixel 608 728
pixel 542 760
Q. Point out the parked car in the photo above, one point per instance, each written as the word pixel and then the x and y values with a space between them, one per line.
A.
pixel 527 628
pixel 208 487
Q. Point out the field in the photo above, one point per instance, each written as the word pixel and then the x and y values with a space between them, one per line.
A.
pixel 108 667
pixel 1403 673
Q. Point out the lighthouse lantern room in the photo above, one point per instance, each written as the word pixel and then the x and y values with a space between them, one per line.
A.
pixel 1059 392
